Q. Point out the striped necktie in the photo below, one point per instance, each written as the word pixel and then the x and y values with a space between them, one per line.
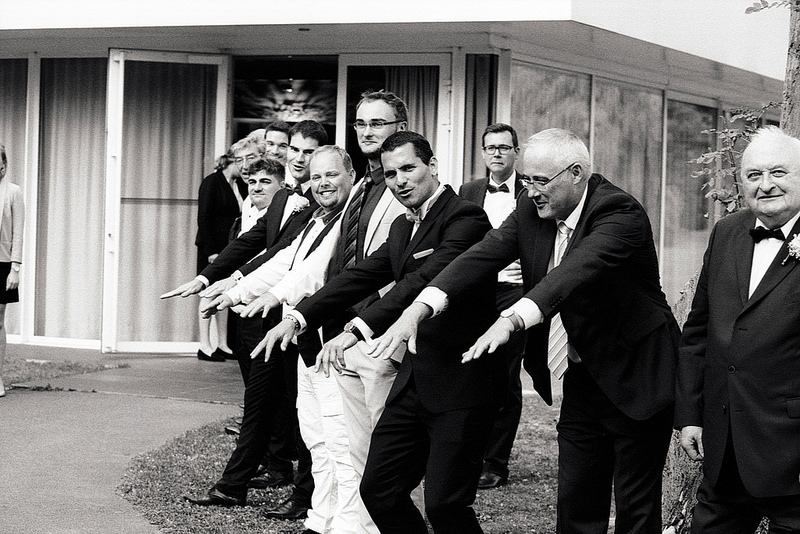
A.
pixel 351 224
pixel 557 340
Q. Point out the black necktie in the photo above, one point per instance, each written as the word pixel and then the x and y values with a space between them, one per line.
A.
pixel 760 233
pixel 495 188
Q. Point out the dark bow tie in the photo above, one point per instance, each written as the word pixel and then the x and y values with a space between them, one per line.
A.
pixel 760 233
pixel 495 188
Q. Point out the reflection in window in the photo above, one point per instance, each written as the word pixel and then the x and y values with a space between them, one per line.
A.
pixel 686 224
pixel 544 98
pixel 627 142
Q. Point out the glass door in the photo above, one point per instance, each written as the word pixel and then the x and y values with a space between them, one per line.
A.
pixel 167 122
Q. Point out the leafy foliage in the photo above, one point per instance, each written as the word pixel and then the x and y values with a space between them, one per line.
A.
pixel 719 167
pixel 763 4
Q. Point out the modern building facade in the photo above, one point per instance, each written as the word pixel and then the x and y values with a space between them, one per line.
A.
pixel 112 119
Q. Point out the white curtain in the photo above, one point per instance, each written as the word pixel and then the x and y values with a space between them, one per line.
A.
pixel 167 150
pixel 71 188
pixel 419 88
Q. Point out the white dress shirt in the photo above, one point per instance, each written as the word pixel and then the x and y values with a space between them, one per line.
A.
pixel 764 253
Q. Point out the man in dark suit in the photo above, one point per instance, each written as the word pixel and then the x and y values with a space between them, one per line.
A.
pixel 438 411
pixel 738 403
pixel 271 389
pixel 592 303
pixel 497 195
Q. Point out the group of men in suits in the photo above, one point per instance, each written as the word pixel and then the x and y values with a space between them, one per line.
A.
pixel 563 278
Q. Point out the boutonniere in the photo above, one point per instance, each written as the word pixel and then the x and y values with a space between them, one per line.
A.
pixel 794 249
pixel 300 203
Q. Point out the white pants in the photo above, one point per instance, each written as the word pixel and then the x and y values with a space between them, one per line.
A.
pixel 335 501
pixel 365 384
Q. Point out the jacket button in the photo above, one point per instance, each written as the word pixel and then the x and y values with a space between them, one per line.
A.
pixel 731 369
pixel 724 408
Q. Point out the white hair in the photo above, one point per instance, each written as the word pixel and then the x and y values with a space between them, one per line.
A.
pixel 567 147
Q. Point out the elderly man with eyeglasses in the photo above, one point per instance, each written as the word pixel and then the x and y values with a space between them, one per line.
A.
pixel 594 313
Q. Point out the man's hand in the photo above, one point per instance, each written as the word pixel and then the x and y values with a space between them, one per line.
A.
pixel 282 333
pixel 692 442
pixel 403 330
pixel 514 272
pixel 218 288
pixel 265 302
pixel 497 335
pixel 332 353
pixel 220 303
pixel 191 287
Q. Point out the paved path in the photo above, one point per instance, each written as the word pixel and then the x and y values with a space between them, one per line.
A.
pixel 63 453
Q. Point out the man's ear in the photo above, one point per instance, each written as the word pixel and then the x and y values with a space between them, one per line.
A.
pixel 577 173
pixel 432 165
pixel 403 126
pixel 352 176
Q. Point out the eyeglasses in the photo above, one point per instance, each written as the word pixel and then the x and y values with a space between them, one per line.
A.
pixel 541 185
pixel 503 149
pixel 376 124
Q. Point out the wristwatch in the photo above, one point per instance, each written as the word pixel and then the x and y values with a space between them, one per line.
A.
pixel 351 328
pixel 512 316
pixel 16 267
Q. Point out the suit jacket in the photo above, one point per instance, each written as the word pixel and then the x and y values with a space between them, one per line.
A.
pixel 739 364
pixel 475 191
pixel 606 288
pixel 217 209
pixel 442 381
pixel 268 233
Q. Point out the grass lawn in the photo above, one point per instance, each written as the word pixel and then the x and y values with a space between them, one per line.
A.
pixel 20 371
pixel 156 482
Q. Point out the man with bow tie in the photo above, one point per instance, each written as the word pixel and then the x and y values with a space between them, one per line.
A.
pixel 738 403
pixel 497 195
pixel 438 412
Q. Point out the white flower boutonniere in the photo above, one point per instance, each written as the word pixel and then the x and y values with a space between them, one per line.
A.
pixel 794 249
pixel 300 203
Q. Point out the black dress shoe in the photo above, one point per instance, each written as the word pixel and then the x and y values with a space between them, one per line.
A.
pixel 490 480
pixel 220 355
pixel 232 430
pixel 309 531
pixel 270 480
pixel 215 497
pixel 209 358
pixel 288 509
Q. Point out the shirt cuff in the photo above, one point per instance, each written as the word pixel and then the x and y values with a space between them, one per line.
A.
pixel 300 319
pixel 202 279
pixel 435 298
pixel 366 331
pixel 528 311
pixel 237 275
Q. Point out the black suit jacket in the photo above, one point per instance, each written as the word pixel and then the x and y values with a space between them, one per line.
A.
pixel 442 381
pixel 606 288
pixel 475 191
pixel 739 366
pixel 217 208
pixel 266 234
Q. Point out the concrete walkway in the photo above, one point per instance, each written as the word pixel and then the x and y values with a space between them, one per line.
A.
pixel 63 453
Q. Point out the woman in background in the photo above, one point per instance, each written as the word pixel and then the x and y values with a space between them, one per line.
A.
pixel 12 218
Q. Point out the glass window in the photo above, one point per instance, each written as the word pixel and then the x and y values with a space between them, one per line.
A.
pixel 627 147
pixel 544 98
pixel 686 221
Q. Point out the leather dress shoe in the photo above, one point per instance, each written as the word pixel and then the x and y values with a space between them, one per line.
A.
pixel 215 497
pixel 270 480
pixel 209 357
pixel 220 355
pixel 489 480
pixel 232 430
pixel 288 509
pixel 309 531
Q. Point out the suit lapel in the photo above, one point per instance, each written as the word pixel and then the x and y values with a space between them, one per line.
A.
pixel 377 216
pixel 427 223
pixel 778 270
pixel 742 250
pixel 275 214
pixel 480 195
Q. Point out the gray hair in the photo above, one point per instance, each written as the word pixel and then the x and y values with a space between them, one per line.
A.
pixel 567 147
pixel 345 157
